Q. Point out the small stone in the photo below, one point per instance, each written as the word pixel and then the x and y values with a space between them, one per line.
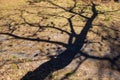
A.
pixel 3 37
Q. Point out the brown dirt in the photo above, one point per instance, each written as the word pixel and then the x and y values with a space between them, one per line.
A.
pixel 17 57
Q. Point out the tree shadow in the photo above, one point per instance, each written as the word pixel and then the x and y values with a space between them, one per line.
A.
pixel 65 58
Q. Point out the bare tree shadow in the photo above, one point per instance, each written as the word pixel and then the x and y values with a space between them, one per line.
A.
pixel 68 55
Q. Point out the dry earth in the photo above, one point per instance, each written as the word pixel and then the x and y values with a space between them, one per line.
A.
pixel 24 18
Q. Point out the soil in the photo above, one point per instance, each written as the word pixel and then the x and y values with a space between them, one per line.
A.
pixel 43 20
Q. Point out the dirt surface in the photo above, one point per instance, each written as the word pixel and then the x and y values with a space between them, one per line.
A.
pixel 49 22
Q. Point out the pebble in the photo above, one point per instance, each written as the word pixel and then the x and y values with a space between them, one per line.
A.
pixel 3 37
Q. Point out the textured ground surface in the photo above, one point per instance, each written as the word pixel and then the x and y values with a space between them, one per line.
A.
pixel 24 18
